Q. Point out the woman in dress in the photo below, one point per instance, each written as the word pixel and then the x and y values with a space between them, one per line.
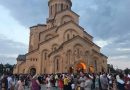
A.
pixel 60 83
pixel 20 83
pixel 48 82
pixel 35 84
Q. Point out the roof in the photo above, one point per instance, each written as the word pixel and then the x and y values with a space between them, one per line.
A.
pixel 100 54
pixel 67 10
pixel 21 57
pixel 38 25
pixel 65 0
pixel 66 42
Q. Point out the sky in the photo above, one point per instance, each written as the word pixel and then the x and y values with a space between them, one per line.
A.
pixel 108 21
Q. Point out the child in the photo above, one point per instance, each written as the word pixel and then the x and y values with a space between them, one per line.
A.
pixel 73 86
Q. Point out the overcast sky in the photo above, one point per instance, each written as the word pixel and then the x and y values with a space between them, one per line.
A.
pixel 107 20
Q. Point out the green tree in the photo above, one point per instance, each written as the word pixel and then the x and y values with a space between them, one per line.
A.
pixel 1 69
pixel 127 71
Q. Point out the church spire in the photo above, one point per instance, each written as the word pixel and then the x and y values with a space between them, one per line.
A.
pixel 58 6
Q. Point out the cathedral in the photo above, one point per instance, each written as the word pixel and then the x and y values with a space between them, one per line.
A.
pixel 61 45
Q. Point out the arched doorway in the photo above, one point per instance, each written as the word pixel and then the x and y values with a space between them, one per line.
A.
pixel 81 67
pixel 103 69
pixel 32 71
pixel 71 70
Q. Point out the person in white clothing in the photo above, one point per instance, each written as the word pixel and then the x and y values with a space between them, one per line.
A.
pixel 73 86
pixel 88 83
pixel 48 82
pixel 20 84
pixel 10 82
pixel 129 75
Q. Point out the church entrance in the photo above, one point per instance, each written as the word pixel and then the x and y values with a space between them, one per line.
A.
pixel 81 67
pixel 71 69
pixel 32 71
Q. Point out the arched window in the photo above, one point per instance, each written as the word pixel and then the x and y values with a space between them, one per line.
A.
pixel 69 56
pixel 67 6
pixel 23 71
pixel 44 70
pixel 73 35
pixel 66 18
pixel 54 47
pixel 78 52
pixel 61 7
pixel 31 41
pixel 68 36
pixel 45 56
pixel 51 10
pixel 56 8
pixel 95 63
pixel 57 62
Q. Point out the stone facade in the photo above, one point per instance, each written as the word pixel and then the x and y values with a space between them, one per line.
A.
pixel 61 45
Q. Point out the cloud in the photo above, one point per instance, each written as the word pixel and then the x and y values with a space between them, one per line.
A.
pixel 5 60
pixel 123 49
pixel 9 50
pixel 103 43
pixel 11 47
pixel 109 19
pixel 27 12
pixel 11 28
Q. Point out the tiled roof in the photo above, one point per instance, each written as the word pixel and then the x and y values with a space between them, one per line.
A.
pixel 21 58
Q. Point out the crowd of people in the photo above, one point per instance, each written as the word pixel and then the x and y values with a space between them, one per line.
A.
pixel 80 81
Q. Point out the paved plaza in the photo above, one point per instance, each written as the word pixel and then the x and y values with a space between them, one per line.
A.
pixel 43 88
pixel 53 88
